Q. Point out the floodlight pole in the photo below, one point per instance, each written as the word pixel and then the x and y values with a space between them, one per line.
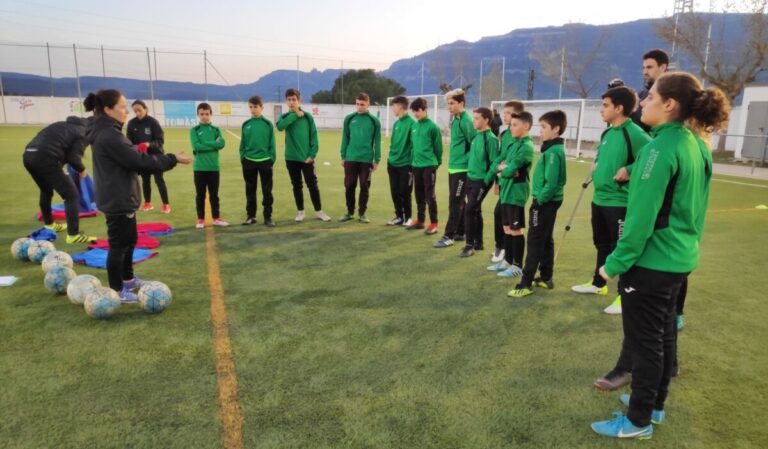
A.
pixel 205 72
pixel 422 77
pixel 151 84
pixel 341 101
pixel 50 70
pixel 480 90
pixel 77 76
pixel 298 75
pixel 103 65
pixel 2 98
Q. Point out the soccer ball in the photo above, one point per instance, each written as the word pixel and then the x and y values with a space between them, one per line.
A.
pixel 38 249
pixel 82 286
pixel 56 259
pixel 154 296
pixel 101 303
pixel 19 248
pixel 57 279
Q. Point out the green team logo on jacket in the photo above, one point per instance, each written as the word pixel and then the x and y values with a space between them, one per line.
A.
pixel 652 156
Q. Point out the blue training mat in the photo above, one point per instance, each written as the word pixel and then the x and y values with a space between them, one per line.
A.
pixel 97 258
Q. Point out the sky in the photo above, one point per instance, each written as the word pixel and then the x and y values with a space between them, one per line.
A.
pixel 247 39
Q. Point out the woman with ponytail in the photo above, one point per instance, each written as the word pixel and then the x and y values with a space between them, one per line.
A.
pixel 116 163
pixel 668 195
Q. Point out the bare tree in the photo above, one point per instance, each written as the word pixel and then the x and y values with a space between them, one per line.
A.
pixel 492 83
pixel 564 60
pixel 721 63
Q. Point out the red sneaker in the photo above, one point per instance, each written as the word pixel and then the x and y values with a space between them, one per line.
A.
pixel 166 209
pixel 147 207
pixel 431 229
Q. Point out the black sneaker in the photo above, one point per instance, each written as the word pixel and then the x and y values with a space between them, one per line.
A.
pixel 467 251
pixel 459 238
pixel 249 221
pixel 444 242
pixel 269 223
pixel 479 246
pixel 541 283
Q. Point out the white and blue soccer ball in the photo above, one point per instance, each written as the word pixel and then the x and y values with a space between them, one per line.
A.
pixel 102 303
pixel 38 249
pixel 56 259
pixel 58 278
pixel 20 247
pixel 154 296
pixel 82 286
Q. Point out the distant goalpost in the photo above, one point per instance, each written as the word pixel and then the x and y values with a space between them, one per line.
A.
pixel 584 122
pixel 435 108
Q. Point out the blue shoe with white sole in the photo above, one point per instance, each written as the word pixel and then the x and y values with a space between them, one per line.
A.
pixel 621 427
pixel 657 416
pixel 512 271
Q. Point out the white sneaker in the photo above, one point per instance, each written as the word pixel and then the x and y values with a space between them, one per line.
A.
pixel 588 288
pixel 615 307
pixel 498 255
pixel 408 222
pixel 500 266
pixel 395 221
pixel 220 222
pixel 200 224
pixel 322 216
pixel 299 216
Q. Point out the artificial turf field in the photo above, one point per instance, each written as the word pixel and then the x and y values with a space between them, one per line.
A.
pixel 349 335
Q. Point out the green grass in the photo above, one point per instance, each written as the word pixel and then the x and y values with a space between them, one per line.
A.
pixel 363 336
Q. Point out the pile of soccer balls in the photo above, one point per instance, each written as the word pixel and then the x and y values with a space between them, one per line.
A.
pixel 85 290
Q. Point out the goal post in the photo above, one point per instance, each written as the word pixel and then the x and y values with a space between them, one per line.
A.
pixel 435 108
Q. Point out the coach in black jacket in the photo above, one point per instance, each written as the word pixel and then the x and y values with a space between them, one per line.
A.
pixel 115 165
pixel 44 158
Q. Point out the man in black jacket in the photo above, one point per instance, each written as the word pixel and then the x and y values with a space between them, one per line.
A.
pixel 655 64
pixel 44 158
pixel 115 165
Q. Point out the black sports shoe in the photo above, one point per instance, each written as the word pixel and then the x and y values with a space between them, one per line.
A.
pixel 249 221
pixel 467 251
pixel 269 223
pixel 479 246
pixel 459 238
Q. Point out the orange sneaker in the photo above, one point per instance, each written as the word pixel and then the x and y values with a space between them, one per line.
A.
pixel 147 207
pixel 431 229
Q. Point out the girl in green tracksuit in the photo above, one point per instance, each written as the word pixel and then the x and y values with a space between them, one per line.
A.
pixel 659 246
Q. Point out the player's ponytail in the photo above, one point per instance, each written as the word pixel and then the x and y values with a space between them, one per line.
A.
pixel 704 110
pixel 104 98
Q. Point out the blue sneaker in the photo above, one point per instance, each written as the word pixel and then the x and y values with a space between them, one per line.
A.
pixel 621 427
pixel 127 296
pixel 497 267
pixel 512 271
pixel 679 323
pixel 657 416
pixel 133 284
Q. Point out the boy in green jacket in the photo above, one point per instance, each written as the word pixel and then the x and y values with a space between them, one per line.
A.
pixel 506 140
pixel 547 190
pixel 257 156
pixel 427 156
pixel 462 133
pixel 207 141
pixel 360 155
pixel 301 146
pixel 619 146
pixel 399 162
pixel 513 178
pixel 479 178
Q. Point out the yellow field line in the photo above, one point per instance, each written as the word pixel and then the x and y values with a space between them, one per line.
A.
pixel 229 407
